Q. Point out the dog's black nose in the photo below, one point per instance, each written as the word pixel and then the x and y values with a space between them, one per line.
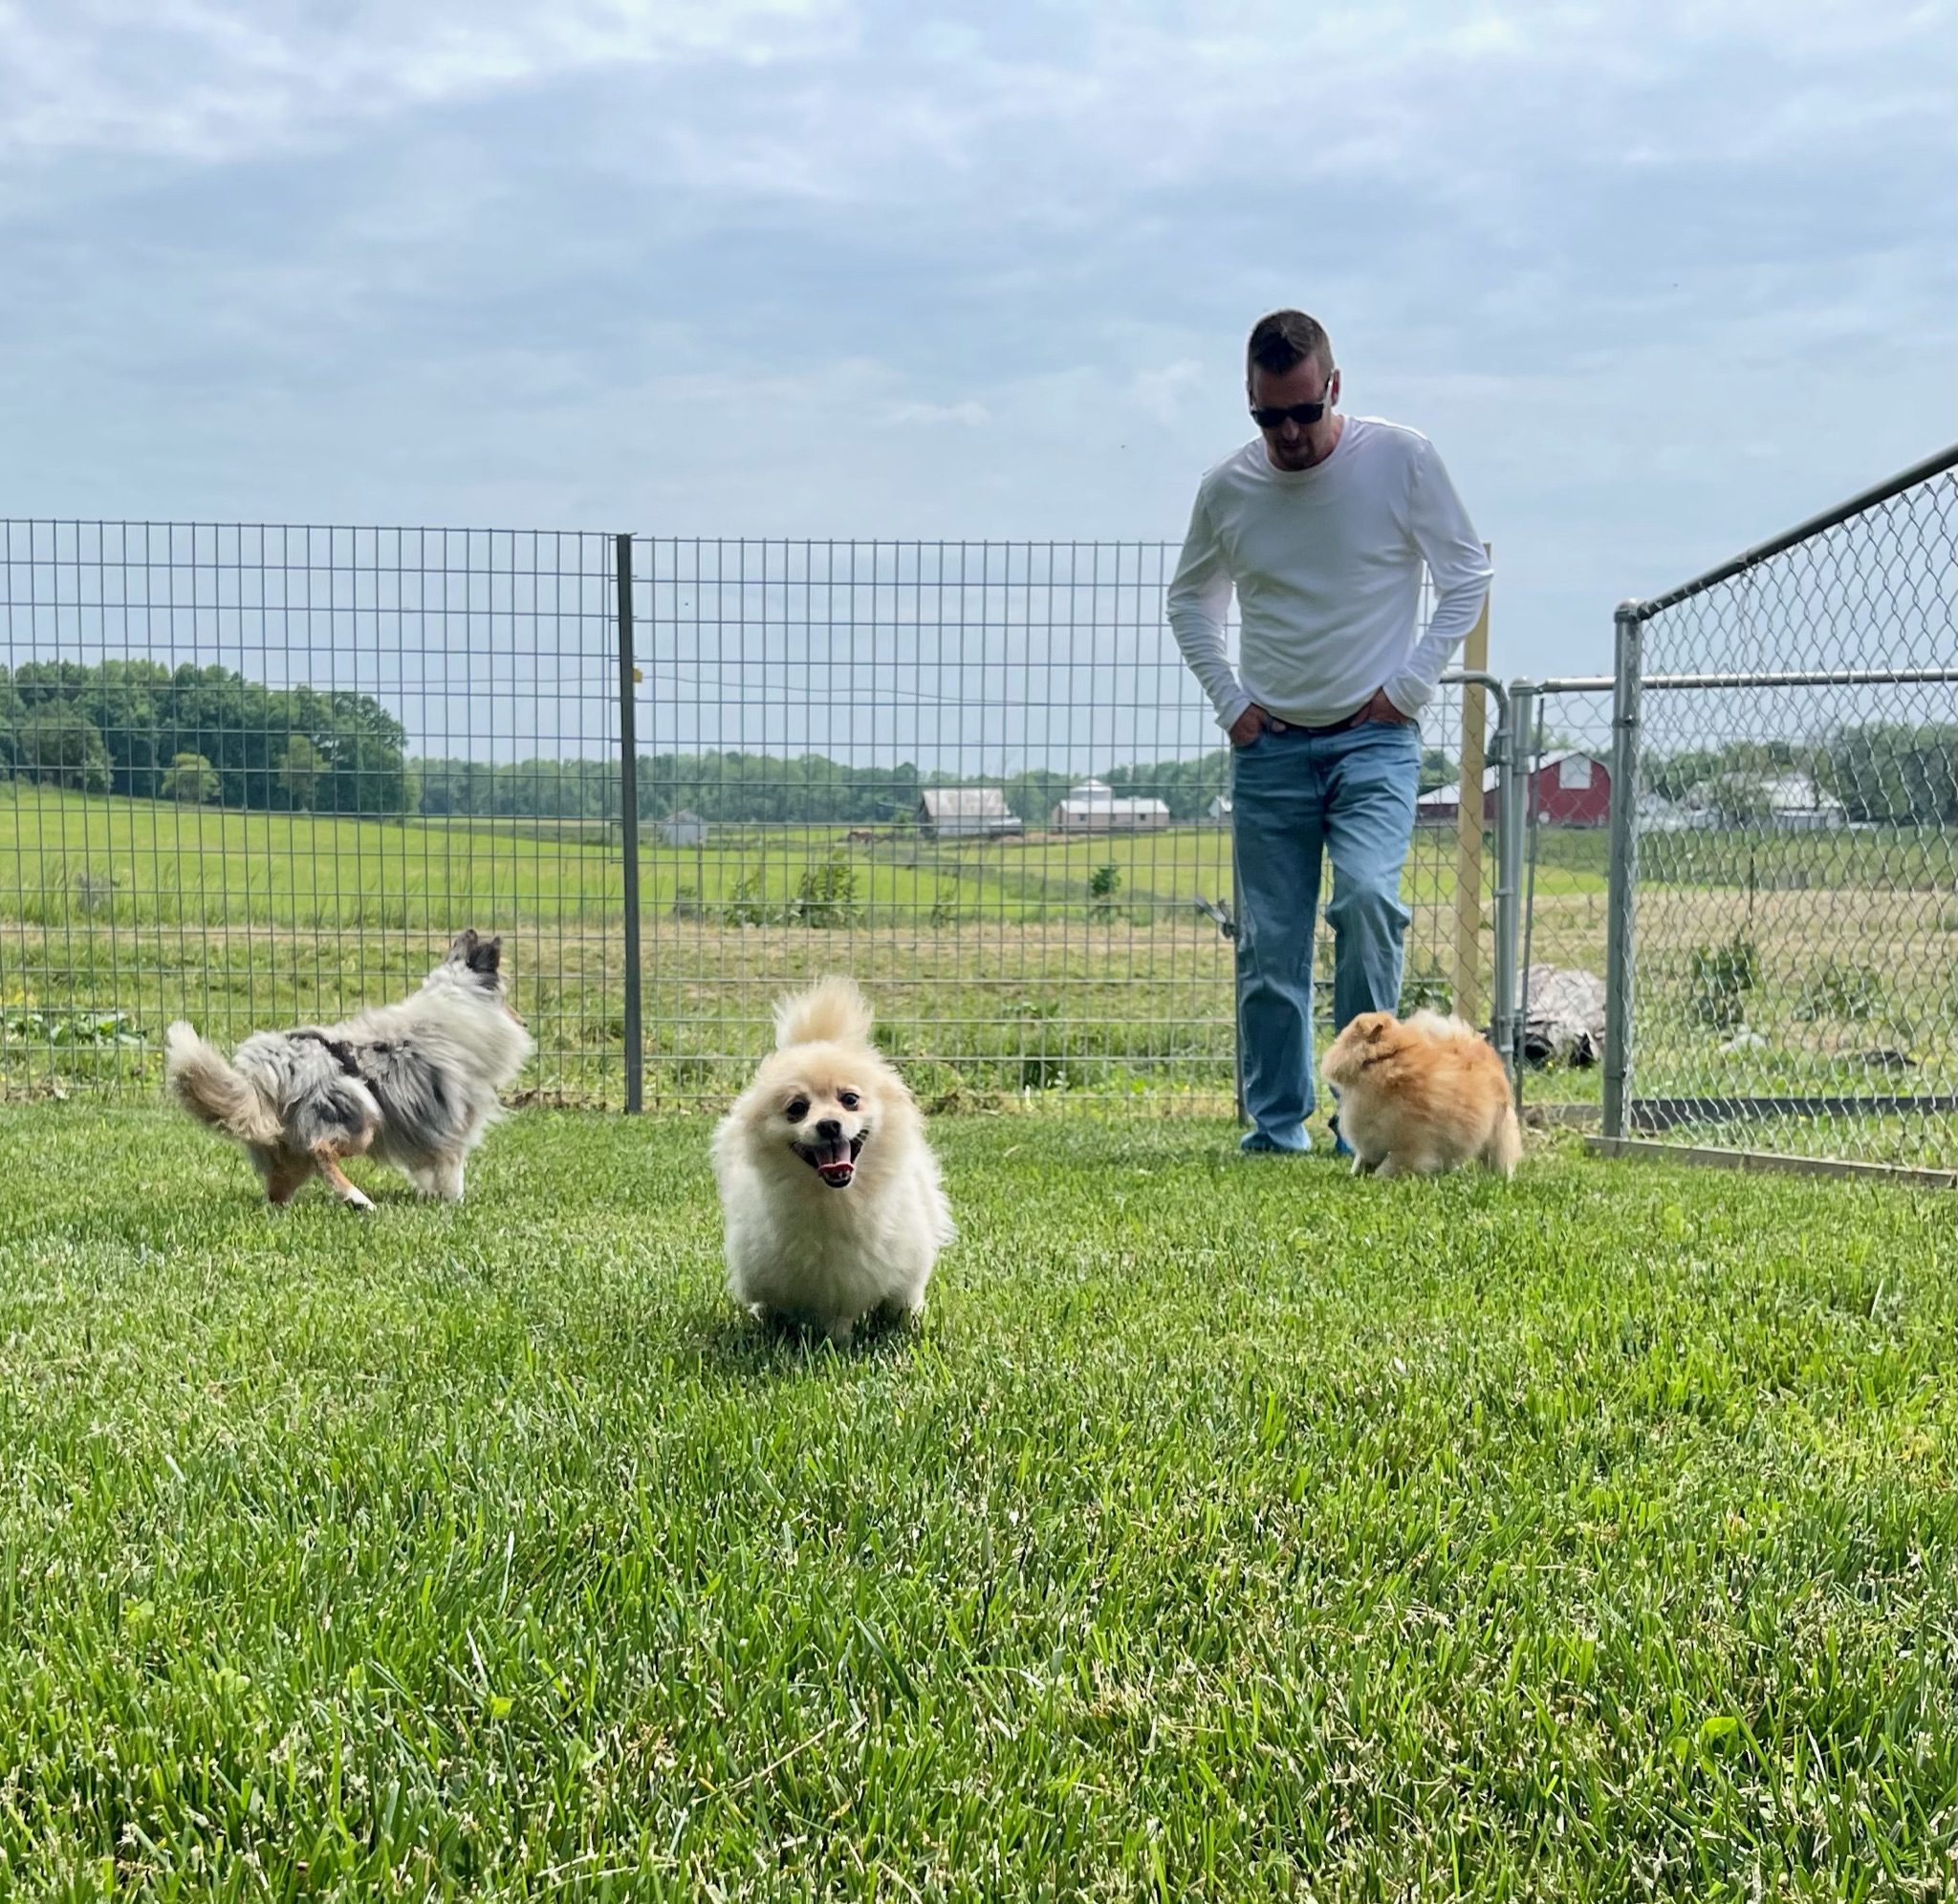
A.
pixel 831 1128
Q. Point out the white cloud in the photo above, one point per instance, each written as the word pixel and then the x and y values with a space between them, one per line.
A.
pixel 805 101
pixel 1159 393
pixel 968 413
pixel 797 267
pixel 214 79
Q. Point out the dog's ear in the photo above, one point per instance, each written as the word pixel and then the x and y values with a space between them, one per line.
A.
pixel 1376 1028
pixel 475 953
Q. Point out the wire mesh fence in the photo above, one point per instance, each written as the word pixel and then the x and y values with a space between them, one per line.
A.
pixel 1793 980
pixel 256 775
pixel 979 777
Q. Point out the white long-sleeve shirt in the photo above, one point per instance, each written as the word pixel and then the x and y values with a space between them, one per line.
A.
pixel 1327 565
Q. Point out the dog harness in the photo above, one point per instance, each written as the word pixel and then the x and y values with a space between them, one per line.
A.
pixel 342 1052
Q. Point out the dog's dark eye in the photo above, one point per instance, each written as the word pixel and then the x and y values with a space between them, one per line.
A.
pixel 847 1099
pixel 798 1109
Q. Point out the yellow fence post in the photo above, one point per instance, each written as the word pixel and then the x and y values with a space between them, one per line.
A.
pixel 1470 820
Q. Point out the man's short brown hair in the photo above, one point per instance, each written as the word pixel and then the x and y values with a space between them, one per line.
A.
pixel 1284 340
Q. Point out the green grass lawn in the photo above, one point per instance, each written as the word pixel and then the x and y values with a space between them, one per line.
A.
pixel 1232 1530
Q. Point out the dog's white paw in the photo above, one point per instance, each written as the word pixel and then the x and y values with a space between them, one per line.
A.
pixel 841 1330
pixel 358 1199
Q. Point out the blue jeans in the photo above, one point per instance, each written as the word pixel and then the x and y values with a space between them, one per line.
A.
pixel 1293 795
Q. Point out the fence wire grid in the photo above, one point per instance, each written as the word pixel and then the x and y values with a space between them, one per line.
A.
pixel 976 775
pixel 256 775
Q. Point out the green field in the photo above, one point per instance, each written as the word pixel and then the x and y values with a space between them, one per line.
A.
pixel 1040 965
pixel 1231 1530
pixel 1030 970
pixel 69 857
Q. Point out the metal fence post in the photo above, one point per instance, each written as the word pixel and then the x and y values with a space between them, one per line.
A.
pixel 1231 925
pixel 1622 877
pixel 628 830
pixel 1512 780
pixel 1472 820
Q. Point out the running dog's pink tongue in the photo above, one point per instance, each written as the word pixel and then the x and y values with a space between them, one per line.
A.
pixel 837 1175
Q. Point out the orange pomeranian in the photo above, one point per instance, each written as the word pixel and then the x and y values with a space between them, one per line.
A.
pixel 1421 1096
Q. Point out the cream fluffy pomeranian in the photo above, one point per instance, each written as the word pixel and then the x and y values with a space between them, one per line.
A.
pixel 414 1083
pixel 831 1195
pixel 1421 1096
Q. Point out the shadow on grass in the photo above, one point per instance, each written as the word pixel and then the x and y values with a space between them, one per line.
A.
pixel 747 1349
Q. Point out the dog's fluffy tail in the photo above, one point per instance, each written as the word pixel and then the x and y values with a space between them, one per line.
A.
pixel 213 1092
pixel 1443 1025
pixel 831 1011
pixel 1505 1150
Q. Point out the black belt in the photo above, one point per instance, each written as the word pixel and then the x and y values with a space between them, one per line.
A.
pixel 1352 720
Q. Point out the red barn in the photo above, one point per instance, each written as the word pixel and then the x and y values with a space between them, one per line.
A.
pixel 1567 790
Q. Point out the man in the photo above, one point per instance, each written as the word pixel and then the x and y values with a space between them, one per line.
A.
pixel 1322 522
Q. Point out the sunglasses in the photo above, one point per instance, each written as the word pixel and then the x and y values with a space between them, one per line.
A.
pixel 1274 416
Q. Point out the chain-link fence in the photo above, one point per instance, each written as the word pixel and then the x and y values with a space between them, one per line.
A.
pixel 256 775
pixel 1787 878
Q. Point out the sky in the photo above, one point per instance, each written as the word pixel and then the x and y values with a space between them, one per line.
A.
pixel 1658 281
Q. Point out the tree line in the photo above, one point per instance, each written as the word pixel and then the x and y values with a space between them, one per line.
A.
pixel 1884 774
pixel 202 734
pixel 207 735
